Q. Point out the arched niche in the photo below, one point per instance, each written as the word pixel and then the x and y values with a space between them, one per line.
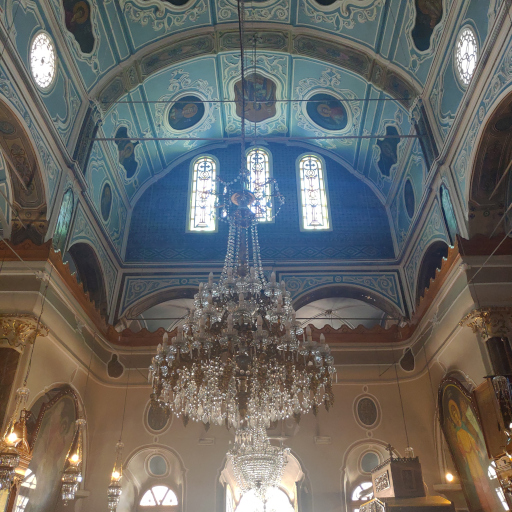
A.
pixel 83 259
pixel 491 179
pixel 26 181
pixel 51 429
pixel 347 291
pixel 147 467
pixel 430 263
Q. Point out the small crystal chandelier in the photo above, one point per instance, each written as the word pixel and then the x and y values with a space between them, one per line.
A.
pixel 15 452
pixel 114 489
pixel 72 475
pixel 256 463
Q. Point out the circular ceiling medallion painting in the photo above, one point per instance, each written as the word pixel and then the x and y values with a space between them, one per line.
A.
pixel 327 112
pixel 158 417
pixel 369 462
pixel 367 412
pixel 410 203
pixel 106 202
pixel 186 113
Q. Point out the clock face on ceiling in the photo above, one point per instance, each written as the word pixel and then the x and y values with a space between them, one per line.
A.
pixel 42 60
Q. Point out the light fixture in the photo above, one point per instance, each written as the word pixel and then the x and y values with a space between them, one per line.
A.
pixel 449 477
pixel 256 463
pixel 15 452
pixel 240 358
pixel 114 489
pixel 72 475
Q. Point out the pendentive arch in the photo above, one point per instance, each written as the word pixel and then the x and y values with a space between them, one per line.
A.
pixel 90 273
pixel 27 184
pixel 431 261
pixel 490 184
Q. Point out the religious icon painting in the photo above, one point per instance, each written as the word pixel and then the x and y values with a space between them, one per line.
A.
pixel 185 113
pixel 463 433
pixel 51 429
pixel 327 112
pixel 260 98
pixel 106 202
pixel 126 151
pixel 77 15
pixel 388 150
pixel 428 16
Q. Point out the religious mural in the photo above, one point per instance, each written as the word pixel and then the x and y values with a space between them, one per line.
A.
pixel 448 214
pixel 77 15
pixel 51 427
pixel 428 15
pixel 186 113
pixel 63 222
pixel 126 149
pixel 463 434
pixel 260 98
pixel 8 365
pixel 106 202
pixel 327 112
pixel 388 150
pixel 158 417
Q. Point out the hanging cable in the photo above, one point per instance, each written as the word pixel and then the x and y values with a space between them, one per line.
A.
pixel 125 399
pixel 400 395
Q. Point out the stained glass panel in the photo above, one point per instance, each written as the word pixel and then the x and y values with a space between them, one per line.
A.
pixel 259 176
pixel 315 213
pixel 202 208
pixel 466 54
pixel 63 222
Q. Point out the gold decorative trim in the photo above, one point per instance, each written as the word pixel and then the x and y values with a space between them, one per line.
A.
pixel 19 330
pixel 490 322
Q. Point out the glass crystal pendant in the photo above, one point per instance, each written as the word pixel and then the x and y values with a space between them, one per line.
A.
pixel 256 463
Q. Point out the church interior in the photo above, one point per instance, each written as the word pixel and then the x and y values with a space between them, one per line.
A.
pixel 255 255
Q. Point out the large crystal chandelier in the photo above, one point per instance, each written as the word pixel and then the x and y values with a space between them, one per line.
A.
pixel 241 358
pixel 256 463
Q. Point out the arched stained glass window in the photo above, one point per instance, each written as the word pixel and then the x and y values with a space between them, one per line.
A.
pixel 202 205
pixel 63 222
pixel 258 164
pixel 313 194
pixel 159 496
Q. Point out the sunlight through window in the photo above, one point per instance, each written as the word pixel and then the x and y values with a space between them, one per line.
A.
pixel 313 193
pixel 202 208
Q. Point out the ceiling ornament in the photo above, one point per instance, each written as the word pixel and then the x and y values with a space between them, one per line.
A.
pixel 20 330
pixel 256 463
pixel 343 14
pixel 240 358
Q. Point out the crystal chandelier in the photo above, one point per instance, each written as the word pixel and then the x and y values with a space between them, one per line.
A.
pixel 241 358
pixel 114 489
pixel 15 453
pixel 72 475
pixel 256 463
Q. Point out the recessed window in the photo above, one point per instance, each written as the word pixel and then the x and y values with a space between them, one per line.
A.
pixel 157 465
pixel 42 60
pixel 202 201
pixel 466 55
pixel 313 194
pixel 159 496
pixel 277 500
pixel 258 164
pixel 369 462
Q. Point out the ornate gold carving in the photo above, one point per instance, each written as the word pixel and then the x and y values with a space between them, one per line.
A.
pixel 381 482
pixel 18 330
pixel 490 322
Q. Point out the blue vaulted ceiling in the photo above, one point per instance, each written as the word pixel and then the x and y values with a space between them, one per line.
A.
pixel 132 58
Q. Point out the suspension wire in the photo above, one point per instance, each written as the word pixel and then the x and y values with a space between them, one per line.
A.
pixel 400 395
pixel 43 301
pixel 88 371
pixel 241 32
pixel 125 398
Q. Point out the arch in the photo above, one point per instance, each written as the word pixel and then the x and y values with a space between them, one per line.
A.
pixel 89 273
pixel 27 183
pixel 430 263
pixel 348 291
pixel 490 188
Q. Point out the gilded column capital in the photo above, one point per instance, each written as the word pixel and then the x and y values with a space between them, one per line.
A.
pixel 490 322
pixel 18 330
